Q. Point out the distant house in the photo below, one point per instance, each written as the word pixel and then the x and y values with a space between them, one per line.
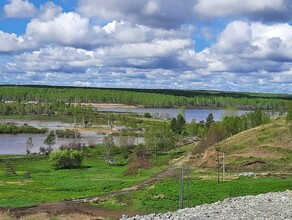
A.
pixel 32 102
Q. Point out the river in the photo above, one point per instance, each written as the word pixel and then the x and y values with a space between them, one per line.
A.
pixel 198 114
pixel 15 143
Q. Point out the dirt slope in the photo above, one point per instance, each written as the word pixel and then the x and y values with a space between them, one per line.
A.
pixel 264 148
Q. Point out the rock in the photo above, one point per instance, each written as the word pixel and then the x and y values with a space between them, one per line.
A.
pixel 264 206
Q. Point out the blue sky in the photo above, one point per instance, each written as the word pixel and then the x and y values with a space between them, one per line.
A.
pixel 228 45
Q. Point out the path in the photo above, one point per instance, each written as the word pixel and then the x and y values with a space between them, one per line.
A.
pixel 79 205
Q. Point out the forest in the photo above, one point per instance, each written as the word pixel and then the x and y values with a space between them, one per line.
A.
pixel 144 98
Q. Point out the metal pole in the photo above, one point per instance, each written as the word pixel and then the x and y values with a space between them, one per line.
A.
pixel 189 171
pixel 223 167
pixel 218 159
pixel 181 199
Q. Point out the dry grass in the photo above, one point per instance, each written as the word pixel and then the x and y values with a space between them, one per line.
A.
pixel 270 143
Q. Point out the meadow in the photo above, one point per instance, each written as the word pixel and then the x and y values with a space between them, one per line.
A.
pixel 35 181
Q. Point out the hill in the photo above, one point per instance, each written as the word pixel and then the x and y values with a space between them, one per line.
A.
pixel 264 148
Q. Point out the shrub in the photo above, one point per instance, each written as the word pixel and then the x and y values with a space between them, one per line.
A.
pixel 46 150
pixel 66 159
pixel 147 115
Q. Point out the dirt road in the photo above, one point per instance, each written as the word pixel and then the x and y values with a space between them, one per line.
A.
pixel 80 209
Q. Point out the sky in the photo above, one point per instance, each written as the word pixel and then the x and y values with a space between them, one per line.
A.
pixel 225 45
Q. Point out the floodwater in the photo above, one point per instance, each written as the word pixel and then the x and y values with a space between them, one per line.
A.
pixel 191 114
pixel 16 143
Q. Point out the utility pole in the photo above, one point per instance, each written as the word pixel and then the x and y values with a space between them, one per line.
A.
pixel 218 159
pixel 219 166
pixel 181 195
pixel 189 172
pixel 223 167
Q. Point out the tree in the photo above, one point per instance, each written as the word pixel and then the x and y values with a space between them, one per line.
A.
pixel 229 112
pixel 29 145
pixel 209 120
pixel 159 138
pixel 177 125
pixel 289 112
pixel 192 128
pixel 50 139
pixel 173 125
pixel 109 144
pixel 66 159
pixel 181 121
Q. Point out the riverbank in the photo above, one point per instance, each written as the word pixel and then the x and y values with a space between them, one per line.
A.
pixel 107 105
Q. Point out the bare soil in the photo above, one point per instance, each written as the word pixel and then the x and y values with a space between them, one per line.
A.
pixel 107 105
pixel 61 210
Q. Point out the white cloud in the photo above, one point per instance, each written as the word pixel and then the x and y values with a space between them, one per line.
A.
pixel 174 13
pixel 256 41
pixel 224 8
pixel 67 28
pixel 48 11
pixel 11 42
pixel 164 62
pixel 19 9
pixel 148 43
pixel 71 29
pixel 151 8
pixel 158 13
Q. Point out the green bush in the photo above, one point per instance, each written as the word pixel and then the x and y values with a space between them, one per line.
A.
pixel 66 159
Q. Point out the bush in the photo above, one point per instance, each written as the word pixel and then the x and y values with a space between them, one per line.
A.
pixel 66 159
pixel 147 115
pixel 46 150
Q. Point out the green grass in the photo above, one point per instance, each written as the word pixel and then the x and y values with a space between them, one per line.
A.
pixel 164 195
pixel 46 184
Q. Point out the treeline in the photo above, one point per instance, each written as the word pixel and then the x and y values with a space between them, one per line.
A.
pixel 10 128
pixel 231 125
pixel 47 108
pixel 208 93
pixel 27 95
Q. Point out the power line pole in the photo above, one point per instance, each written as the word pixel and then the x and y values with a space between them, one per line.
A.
pixel 181 197
pixel 218 159
pixel 219 166
pixel 189 172
pixel 223 167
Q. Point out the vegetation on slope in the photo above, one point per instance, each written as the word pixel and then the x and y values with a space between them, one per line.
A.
pixel 264 148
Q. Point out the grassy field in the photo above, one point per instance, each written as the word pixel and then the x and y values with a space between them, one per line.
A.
pixel 37 182
pixel 46 184
pixel 164 195
pixel 97 177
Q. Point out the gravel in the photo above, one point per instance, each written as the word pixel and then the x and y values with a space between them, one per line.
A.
pixel 276 205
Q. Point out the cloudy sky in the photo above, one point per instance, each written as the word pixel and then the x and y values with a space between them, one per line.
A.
pixel 229 45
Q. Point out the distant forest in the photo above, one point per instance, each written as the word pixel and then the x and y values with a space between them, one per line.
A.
pixel 158 98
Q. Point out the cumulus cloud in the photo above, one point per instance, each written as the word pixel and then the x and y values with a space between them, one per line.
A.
pixel 19 9
pixel 158 13
pixel 71 29
pixel 172 14
pixel 67 28
pixel 48 11
pixel 12 42
pixel 256 41
pixel 264 10
pixel 246 55
pixel 149 44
